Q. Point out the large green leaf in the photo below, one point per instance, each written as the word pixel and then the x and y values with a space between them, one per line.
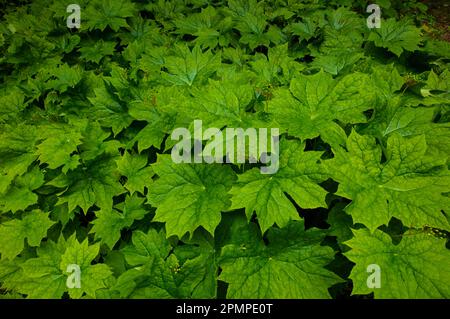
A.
pixel 110 222
pixel 138 174
pixel 33 227
pixel 410 185
pixel 291 265
pixel 187 67
pixel 268 195
pixel 96 184
pixel 396 36
pixel 46 275
pixel 188 196
pixel 21 193
pixel 103 13
pixel 155 272
pixel 415 268
pixel 313 103
pixel 17 152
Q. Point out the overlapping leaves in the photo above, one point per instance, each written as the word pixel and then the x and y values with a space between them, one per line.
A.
pixel 86 177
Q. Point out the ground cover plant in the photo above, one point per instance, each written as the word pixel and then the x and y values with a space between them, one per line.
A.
pixel 93 206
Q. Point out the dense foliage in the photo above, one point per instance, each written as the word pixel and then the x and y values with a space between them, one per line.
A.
pixel 86 176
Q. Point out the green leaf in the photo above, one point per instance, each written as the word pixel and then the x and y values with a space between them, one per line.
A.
pixel 313 102
pixel 58 146
pixel 197 277
pixel 138 174
pixel 160 110
pixel 187 67
pixel 96 184
pixel 252 24
pixel 223 104
pixel 12 101
pixel 413 269
pixel 290 266
pixel 437 48
pixel 409 122
pixel 337 63
pixel 188 196
pixel 93 277
pixel 17 148
pixel 97 50
pixel 95 142
pixel 20 194
pixel 155 272
pixel 396 36
pixel 151 275
pixel 277 68
pixel 65 77
pixel 110 221
pixel 410 185
pixel 340 223
pixel 437 87
pixel 439 82
pixel 208 26
pixel 305 30
pixel 10 272
pixel 388 81
pixel 109 110
pixel 342 31
pixel 32 227
pixel 103 13
pixel 45 276
pixel 267 195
